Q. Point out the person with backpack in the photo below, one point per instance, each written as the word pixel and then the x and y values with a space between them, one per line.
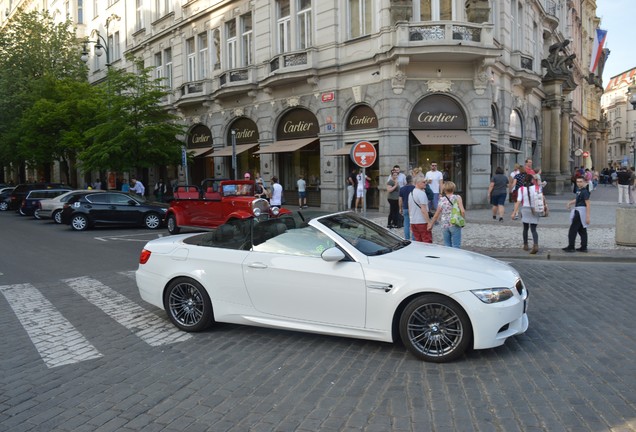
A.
pixel 529 203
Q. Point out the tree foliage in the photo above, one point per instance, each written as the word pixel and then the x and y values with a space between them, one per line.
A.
pixel 134 131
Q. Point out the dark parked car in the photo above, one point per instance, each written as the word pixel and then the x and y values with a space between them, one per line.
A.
pixel 30 204
pixel 22 190
pixel 5 198
pixel 112 208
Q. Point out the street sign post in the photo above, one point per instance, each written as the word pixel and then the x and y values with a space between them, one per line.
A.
pixel 363 154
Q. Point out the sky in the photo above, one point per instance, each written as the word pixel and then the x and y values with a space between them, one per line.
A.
pixel 617 18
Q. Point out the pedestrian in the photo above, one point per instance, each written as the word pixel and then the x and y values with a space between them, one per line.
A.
pixel 351 189
pixel 125 186
pixel 361 184
pixel 403 204
pixel 623 177
pixel 588 179
pixel 160 190
pixel 260 191
pixel 97 184
pixel 526 198
pixel 247 176
pixel 452 234
pixel 512 196
pixel 137 186
pixel 302 191
pixel 516 185
pixel 393 190
pixel 401 176
pixel 436 183
pixel 418 212
pixel 497 192
pixel 277 193
pixel 632 185
pixel 579 211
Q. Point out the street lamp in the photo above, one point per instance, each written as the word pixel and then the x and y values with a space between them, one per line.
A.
pixel 101 43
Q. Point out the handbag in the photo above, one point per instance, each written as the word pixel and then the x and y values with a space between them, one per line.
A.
pixel 456 214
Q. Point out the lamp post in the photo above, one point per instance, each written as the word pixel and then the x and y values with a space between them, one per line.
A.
pixel 234 167
pixel 101 43
pixel 631 119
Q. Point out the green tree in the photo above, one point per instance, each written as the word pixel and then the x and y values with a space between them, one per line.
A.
pixel 134 131
pixel 32 47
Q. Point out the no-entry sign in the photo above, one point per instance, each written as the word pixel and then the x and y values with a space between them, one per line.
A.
pixel 363 154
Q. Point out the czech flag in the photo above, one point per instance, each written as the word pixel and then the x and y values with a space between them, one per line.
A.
pixel 597 50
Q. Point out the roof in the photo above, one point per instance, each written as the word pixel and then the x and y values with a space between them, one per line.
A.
pixel 621 79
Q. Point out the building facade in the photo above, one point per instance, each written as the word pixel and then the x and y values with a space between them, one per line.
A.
pixel 294 83
pixel 617 105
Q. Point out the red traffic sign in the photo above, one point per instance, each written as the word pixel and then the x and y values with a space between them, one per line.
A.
pixel 586 154
pixel 327 97
pixel 363 154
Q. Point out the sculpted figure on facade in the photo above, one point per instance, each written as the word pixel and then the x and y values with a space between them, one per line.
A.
pixel 559 63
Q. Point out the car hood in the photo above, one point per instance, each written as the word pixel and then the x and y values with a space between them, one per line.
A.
pixel 455 268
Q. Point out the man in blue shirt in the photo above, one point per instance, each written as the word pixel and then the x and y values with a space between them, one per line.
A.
pixel 405 191
pixel 579 216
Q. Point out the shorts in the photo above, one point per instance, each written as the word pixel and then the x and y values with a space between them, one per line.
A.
pixel 302 194
pixel 498 200
pixel 359 193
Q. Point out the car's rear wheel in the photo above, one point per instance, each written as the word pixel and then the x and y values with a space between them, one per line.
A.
pixel 188 305
pixel 152 221
pixel 22 213
pixel 173 228
pixel 79 223
pixel 36 214
pixel 57 216
pixel 4 206
pixel 435 328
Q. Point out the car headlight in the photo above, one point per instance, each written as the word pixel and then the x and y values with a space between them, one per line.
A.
pixel 257 212
pixel 493 295
pixel 164 210
pixel 275 211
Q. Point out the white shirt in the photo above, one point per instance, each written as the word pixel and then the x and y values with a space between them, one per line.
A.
pixel 302 185
pixel 436 177
pixel 139 188
pixel 277 194
pixel 418 197
pixel 401 179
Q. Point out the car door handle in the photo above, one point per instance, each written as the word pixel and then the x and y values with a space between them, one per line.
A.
pixel 257 265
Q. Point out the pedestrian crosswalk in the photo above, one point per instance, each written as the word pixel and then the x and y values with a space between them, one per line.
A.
pixel 56 339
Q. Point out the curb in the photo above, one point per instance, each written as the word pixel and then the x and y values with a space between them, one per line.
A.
pixel 603 255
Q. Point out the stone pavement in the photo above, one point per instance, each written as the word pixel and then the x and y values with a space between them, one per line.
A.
pixel 503 239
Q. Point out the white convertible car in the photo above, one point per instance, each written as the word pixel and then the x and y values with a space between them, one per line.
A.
pixel 336 274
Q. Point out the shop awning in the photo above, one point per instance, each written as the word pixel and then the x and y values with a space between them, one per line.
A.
pixel 344 151
pixel 227 151
pixel 195 152
pixel 444 137
pixel 505 149
pixel 287 145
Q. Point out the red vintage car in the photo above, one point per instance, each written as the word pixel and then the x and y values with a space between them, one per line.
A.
pixel 215 203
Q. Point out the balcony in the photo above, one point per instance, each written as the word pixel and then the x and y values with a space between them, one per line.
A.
pixel 290 67
pixel 523 64
pixel 193 92
pixel 445 41
pixel 235 81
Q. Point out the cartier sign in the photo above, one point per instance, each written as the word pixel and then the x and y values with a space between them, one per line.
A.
pixel 199 135
pixel 297 123
pixel 438 112
pixel 246 131
pixel 362 117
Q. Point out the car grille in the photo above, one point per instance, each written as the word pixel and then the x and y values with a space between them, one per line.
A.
pixel 261 204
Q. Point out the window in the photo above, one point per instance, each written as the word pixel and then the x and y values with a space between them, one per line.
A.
pixel 283 25
pixel 246 38
pixel 163 7
pixel 191 60
pixel 95 8
pixel 80 11
pixel 230 33
pixel 359 18
pixel 167 61
pixel 159 66
pixel 216 51
pixel 114 53
pixel 435 10
pixel 139 14
pixel 304 24
pixel 203 55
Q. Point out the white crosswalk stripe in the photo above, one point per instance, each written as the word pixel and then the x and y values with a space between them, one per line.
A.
pixel 148 326
pixel 54 337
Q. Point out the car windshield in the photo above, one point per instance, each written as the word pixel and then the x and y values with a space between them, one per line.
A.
pixel 366 236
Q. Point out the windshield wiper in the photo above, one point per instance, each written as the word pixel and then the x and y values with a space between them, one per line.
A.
pixel 401 244
pixel 381 252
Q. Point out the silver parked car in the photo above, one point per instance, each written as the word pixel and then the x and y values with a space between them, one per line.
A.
pixel 52 208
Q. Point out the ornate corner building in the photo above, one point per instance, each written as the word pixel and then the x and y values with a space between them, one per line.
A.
pixel 470 84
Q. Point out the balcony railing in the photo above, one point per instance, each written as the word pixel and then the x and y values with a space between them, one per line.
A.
pixel 234 76
pixel 195 88
pixel 288 60
pixel 445 32
pixel 550 7
pixel 527 63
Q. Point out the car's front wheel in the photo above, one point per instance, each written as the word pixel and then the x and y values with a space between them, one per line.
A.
pixel 36 214
pixel 435 328
pixel 152 221
pixel 4 206
pixel 57 216
pixel 79 222
pixel 188 305
pixel 173 228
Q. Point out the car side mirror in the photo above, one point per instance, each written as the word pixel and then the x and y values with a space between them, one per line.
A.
pixel 333 254
pixel 132 202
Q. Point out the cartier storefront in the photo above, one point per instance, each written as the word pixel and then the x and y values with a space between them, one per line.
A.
pixel 438 132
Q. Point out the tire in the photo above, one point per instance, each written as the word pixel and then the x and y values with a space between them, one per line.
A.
pixel 36 214
pixel 79 222
pixel 152 221
pixel 173 228
pixel 57 216
pixel 188 305
pixel 4 206
pixel 435 329
pixel 22 213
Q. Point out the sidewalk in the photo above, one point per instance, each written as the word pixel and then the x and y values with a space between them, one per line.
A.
pixel 503 240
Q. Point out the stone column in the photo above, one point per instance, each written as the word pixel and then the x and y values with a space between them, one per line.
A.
pixel 552 125
pixel 564 165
